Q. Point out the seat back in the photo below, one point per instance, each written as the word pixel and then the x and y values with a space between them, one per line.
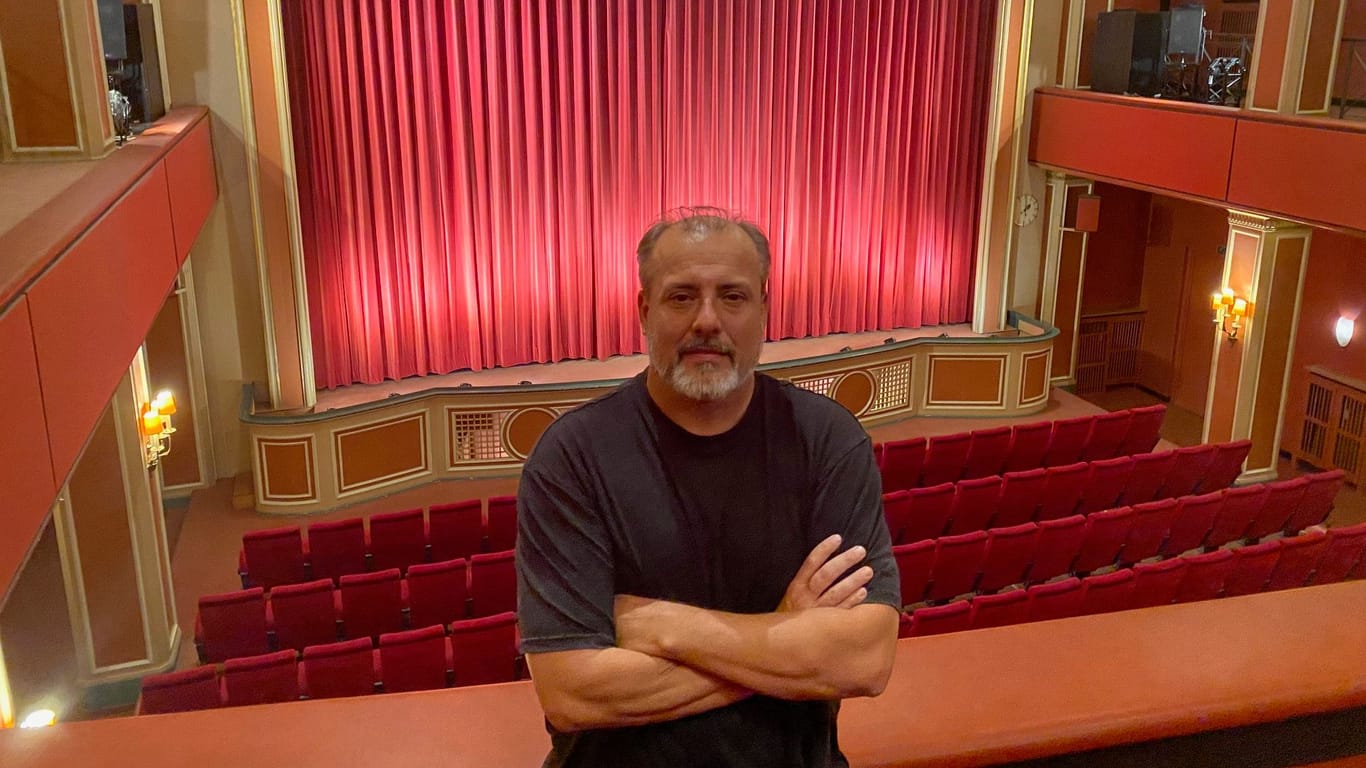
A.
pixel 1317 503
pixel 501 530
pixel 1341 555
pixel 987 453
pixel 1107 436
pixel 437 593
pixel 1299 557
pixel 1151 523
pixel 1195 516
pixel 941 619
pixel 945 457
pixel 1145 428
pixel 1062 490
pixel 1106 532
pixel 1252 567
pixel 1282 498
pixel 337 548
pixel 974 504
pixel 1149 475
pixel 416 660
pixel 371 603
pixel 274 556
pixel 1106 480
pixel 1107 592
pixel 184 690
pixel 1055 600
pixel 1069 438
pixel 397 540
pixel 1226 466
pixel 455 531
pixel 304 614
pixel 1059 541
pixel 896 509
pixel 1205 576
pixel 928 511
pixel 493 584
pixel 484 650
pixel 914 562
pixel 1192 462
pixel 1021 493
pixel 1028 444
pixel 232 624
pixel 902 461
pixel 264 679
pixel 1009 553
pixel 1156 583
pixel 1000 609
pixel 957 561
pixel 1241 506
pixel 339 669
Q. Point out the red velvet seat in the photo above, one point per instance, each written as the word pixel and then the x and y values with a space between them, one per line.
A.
pixel 1062 491
pixel 1195 515
pixel 1107 592
pixel 397 540
pixel 1341 555
pixel 1241 506
pixel 1148 478
pixel 1156 583
pixel 957 562
pixel 941 619
pixel 455 531
pixel 896 510
pixel 1205 576
pixel 1317 502
pixel 1069 439
pixel 1057 546
pixel 1151 522
pixel 416 660
pixel 1145 428
pixel 945 457
pixel 1106 532
pixel 1105 483
pixel 1055 600
pixel 1108 432
pixel 901 464
pixel 265 679
pixel 1000 609
pixel 1028 444
pixel 501 528
pixel 231 624
pixel 914 562
pixel 337 548
pixel 493 584
pixel 1009 553
pixel 437 593
pixel 974 504
pixel 338 669
pixel 1226 466
pixel 1282 499
pixel 928 511
pixel 184 690
pixel 1192 463
pixel 304 614
pixel 1021 493
pixel 1299 556
pixel 371 603
pixel 1252 567
pixel 484 650
pixel 988 453
pixel 272 557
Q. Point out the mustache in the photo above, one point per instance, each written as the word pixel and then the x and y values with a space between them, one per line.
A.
pixel 707 345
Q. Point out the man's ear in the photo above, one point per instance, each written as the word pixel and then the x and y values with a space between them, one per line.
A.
pixel 642 307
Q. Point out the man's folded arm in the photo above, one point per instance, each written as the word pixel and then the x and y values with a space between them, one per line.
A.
pixel 615 687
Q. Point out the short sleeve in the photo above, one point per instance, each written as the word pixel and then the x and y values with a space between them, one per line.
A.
pixel 849 502
pixel 565 572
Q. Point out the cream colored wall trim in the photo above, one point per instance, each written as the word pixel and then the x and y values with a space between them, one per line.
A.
pixel 161 53
pixel 1071 60
pixel 1076 316
pixel 198 396
pixel 1254 74
pixel 137 494
pixel 291 184
pixel 6 694
pixel 249 146
pixel 1256 476
pixel 1290 354
pixel 6 125
pixel 1332 61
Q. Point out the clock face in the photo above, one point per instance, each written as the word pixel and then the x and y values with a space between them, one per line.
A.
pixel 1026 210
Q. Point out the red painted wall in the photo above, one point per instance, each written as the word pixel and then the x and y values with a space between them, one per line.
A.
pixel 1114 255
pixel 1333 286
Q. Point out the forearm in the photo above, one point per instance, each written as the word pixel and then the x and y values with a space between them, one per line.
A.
pixel 617 687
pixel 817 653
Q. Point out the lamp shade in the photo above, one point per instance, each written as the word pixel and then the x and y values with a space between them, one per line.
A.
pixel 164 403
pixel 151 422
pixel 1344 330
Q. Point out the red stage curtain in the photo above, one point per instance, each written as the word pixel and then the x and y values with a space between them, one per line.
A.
pixel 474 176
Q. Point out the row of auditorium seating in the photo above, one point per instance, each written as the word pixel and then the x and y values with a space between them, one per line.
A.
pixel 392 540
pixel 941 568
pixel 1035 495
pixel 1309 559
pixel 476 651
pixel 250 622
pixel 919 461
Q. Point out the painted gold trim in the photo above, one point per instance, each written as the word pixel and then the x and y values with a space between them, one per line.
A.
pixel 508 423
pixel 392 478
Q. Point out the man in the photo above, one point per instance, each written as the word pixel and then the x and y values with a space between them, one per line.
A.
pixel 685 594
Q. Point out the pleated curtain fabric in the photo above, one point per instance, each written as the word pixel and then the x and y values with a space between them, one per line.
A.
pixel 474 176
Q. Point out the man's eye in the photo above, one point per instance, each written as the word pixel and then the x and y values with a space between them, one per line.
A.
pixel 735 298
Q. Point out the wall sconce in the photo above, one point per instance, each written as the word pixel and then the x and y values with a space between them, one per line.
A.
pixel 1229 311
pixel 39 718
pixel 1343 332
pixel 156 427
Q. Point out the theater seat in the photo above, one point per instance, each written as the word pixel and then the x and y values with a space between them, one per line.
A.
pixel 1000 609
pixel 338 669
pixel 944 458
pixel 1107 592
pixel 1009 553
pixel 1299 556
pixel 1156 583
pixel 896 510
pixel 974 504
pixel 437 593
pixel 914 562
pixel 901 464
pixel 371 603
pixel 455 531
pixel 1195 515
pixel 304 614
pixel 272 557
pixel 493 584
pixel 265 679
pixel 501 529
pixel 1106 532
pixel 336 548
pixel 1105 483
pixel 1282 498
pixel 1108 432
pixel 1252 567
pixel 1055 600
pixel 1028 444
pixel 416 660
pixel 1058 544
pixel 181 691
pixel 1151 522
pixel 1021 493
pixel 988 452
pixel 928 511
pixel 1317 503
pixel 484 650
pixel 941 619
pixel 1062 490
pixel 1226 466
pixel 1192 464
pixel 1240 508
pixel 1341 555
pixel 397 540
pixel 231 624
pixel 957 561
pixel 1205 576
pixel 1069 439
pixel 1145 428
pixel 1149 475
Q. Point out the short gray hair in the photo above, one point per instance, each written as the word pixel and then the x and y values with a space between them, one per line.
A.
pixel 700 221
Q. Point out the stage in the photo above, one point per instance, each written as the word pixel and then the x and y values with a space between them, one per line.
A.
pixel 365 441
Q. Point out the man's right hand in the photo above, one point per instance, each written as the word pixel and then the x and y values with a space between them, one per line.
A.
pixel 815 584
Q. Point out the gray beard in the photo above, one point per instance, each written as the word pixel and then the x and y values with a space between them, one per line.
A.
pixel 703 386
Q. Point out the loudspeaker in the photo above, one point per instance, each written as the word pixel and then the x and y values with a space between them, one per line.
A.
pixel 1149 53
pixel 1112 51
pixel 111 29
pixel 1187 31
pixel 137 73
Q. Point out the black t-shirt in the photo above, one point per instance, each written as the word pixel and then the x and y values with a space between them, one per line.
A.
pixel 617 499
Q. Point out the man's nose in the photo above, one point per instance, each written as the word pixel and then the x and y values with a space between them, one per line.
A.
pixel 706 322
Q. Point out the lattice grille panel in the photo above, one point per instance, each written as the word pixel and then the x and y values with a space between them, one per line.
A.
pixel 821 385
pixel 1313 437
pixel 893 388
pixel 478 437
